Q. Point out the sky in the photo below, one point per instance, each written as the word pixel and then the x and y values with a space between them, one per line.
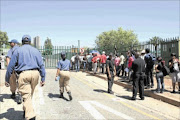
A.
pixel 66 22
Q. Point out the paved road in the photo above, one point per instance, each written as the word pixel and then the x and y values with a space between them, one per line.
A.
pixel 90 101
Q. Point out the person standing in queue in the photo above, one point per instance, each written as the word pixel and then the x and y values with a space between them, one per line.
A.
pixel 138 67
pixel 111 72
pixel 27 63
pixel 63 68
pixel 13 78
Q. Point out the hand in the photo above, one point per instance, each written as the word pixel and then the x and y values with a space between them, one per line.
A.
pixel 7 84
pixel 42 83
pixel 109 76
pixel 114 73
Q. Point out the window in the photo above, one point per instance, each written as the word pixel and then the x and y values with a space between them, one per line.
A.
pixel 173 45
pixel 164 47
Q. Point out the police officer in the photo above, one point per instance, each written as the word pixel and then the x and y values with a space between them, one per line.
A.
pixel 138 67
pixel 27 63
pixel 63 68
pixel 12 81
pixel 111 72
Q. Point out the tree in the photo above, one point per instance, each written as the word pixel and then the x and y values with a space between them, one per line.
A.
pixel 3 38
pixel 155 41
pixel 48 47
pixel 113 40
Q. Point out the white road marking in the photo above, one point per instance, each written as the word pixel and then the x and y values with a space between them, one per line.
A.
pixel 92 110
pixel 88 106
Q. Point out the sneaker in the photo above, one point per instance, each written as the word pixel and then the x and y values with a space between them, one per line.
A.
pixel 148 87
pixel 110 92
pixel 19 99
pixel 34 118
pixel 13 96
pixel 70 96
pixel 152 85
pixel 142 98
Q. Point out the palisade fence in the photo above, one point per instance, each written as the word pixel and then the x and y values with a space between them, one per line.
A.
pixel 52 56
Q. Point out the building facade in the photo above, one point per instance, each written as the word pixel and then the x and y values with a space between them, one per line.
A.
pixel 37 42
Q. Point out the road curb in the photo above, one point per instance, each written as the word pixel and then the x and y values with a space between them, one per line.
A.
pixel 146 92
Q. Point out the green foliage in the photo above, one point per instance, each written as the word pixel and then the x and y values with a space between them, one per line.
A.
pixel 3 38
pixel 48 47
pixel 155 40
pixel 119 39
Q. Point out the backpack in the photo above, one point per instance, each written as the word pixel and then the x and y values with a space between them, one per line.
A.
pixel 151 60
pixel 165 70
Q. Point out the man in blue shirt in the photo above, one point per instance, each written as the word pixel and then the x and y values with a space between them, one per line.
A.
pixel 27 63
pixel 13 79
pixel 63 68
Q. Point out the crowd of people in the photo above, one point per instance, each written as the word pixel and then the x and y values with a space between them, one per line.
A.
pixel 136 67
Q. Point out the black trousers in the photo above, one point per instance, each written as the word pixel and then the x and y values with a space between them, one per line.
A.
pixel 122 69
pixel 149 76
pixel 118 68
pixel 138 82
pixel 110 81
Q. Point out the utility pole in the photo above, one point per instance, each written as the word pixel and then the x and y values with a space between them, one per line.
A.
pixel 79 45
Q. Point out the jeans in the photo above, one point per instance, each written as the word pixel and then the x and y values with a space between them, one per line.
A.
pixel 110 81
pixel 84 65
pixel 77 67
pixel 160 81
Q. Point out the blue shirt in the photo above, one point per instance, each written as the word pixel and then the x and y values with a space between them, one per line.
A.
pixel 64 65
pixel 11 51
pixel 24 58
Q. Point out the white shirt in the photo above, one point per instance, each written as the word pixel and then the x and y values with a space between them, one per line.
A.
pixel 122 59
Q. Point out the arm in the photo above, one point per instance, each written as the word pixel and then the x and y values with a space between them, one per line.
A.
pixel 108 71
pixel 156 68
pixel 11 67
pixel 7 61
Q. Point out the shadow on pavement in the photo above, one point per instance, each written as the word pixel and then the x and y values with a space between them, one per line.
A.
pixel 6 96
pixel 99 90
pixel 11 114
pixel 50 95
pixel 125 97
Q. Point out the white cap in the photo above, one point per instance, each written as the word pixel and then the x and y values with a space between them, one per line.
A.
pixel 143 51
pixel 103 52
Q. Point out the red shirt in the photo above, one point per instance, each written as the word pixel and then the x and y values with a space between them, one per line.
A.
pixel 103 58
pixel 130 62
pixel 94 59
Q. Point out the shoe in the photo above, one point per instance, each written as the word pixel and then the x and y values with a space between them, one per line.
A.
pixel 61 95
pixel 133 98
pixel 142 98
pixel 157 91
pixel 19 99
pixel 110 92
pixel 24 114
pixel 152 86
pixel 148 87
pixel 34 118
pixel 173 91
pixel 162 91
pixel 70 97
pixel 13 96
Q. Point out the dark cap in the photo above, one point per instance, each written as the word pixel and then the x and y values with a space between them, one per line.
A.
pixel 26 38
pixel 14 41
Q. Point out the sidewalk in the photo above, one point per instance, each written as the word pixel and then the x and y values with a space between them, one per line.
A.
pixel 167 96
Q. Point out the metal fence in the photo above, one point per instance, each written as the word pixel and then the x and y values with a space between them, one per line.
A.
pixel 52 56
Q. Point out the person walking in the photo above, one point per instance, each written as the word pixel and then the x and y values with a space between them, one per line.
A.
pixel 27 62
pixel 13 79
pixel 111 72
pixel 2 58
pixel 149 60
pixel 122 61
pixel 138 67
pixel 174 71
pixel 63 68
pixel 159 75
pixel 103 61
pixel 77 62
